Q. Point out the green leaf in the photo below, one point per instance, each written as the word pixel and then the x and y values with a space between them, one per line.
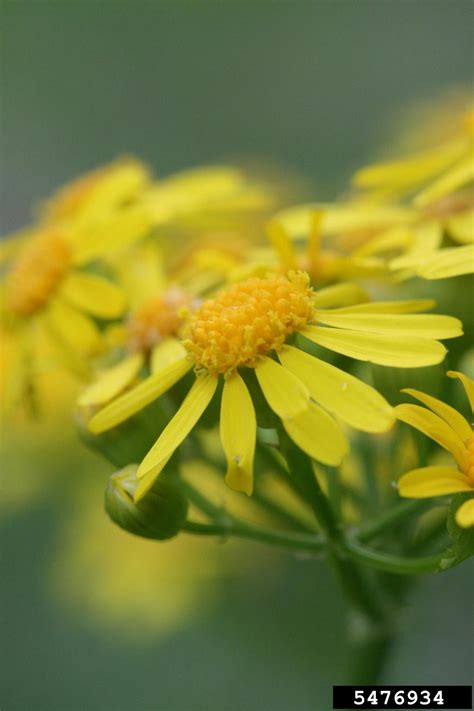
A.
pixel 462 538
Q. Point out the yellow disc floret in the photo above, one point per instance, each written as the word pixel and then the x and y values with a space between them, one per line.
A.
pixel 248 320
pixel 37 272
pixel 158 318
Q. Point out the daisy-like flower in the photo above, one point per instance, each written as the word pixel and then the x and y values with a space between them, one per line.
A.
pixel 96 194
pixel 47 296
pixel 207 198
pixel 247 327
pixel 448 428
pixel 432 175
pixel 441 180
pixel 149 338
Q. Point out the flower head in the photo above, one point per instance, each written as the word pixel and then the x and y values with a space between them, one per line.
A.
pixel 149 338
pixel 247 321
pixel 448 428
pixel 247 326
pixel 439 181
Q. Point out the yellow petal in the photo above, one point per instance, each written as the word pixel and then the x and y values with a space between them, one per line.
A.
pixel 75 330
pixel 340 295
pixel 448 263
pixel 142 276
pixel 284 392
pixel 461 227
pixel 421 325
pixel 118 183
pixel 316 433
pixel 465 514
pixel 146 482
pixel 344 218
pixel 114 232
pixel 397 238
pixel 410 171
pixel 387 307
pixel 378 348
pixel 139 397
pixel 432 481
pixel 468 384
pixel 314 240
pixel 454 418
pixel 461 174
pixel 193 406
pixel 165 353
pixel 347 397
pixel 112 381
pixel 94 294
pixel 238 432
pixel 282 244
pixel 427 238
pixel 434 427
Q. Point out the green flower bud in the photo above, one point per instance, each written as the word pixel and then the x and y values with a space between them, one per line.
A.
pixel 159 515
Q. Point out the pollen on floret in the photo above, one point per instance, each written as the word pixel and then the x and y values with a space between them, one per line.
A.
pixel 248 320
pixel 37 272
pixel 158 318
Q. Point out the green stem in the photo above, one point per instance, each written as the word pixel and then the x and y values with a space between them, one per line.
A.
pixel 388 519
pixel 250 531
pixel 356 584
pixel 392 563
pixel 369 646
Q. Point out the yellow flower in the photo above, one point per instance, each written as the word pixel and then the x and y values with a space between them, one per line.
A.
pixel 149 338
pixel 100 192
pixel 448 164
pixel 444 425
pixel 208 197
pixel 47 296
pixel 239 331
pixel 328 240
pixel 443 177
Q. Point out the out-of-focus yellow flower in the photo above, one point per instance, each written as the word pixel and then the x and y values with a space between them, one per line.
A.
pixel 49 303
pixel 49 295
pixel 211 261
pixel 236 334
pixel 448 164
pixel 207 198
pixel 150 338
pixel 441 180
pixel 97 194
pixel 337 241
pixel 448 428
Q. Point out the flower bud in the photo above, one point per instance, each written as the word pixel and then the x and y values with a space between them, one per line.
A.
pixel 159 515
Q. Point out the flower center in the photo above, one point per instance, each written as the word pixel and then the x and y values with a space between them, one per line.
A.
pixel 469 465
pixel 249 320
pixel 156 319
pixel 37 272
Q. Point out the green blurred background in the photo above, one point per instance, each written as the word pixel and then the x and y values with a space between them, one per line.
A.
pixel 89 620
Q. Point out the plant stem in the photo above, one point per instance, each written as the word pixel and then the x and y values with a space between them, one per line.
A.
pixel 356 584
pixel 389 518
pixel 244 529
pixel 394 564
pixel 369 646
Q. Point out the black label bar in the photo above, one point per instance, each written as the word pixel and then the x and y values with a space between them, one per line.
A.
pixel 402 697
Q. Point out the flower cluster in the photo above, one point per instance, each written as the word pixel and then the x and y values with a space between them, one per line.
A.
pixel 200 313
